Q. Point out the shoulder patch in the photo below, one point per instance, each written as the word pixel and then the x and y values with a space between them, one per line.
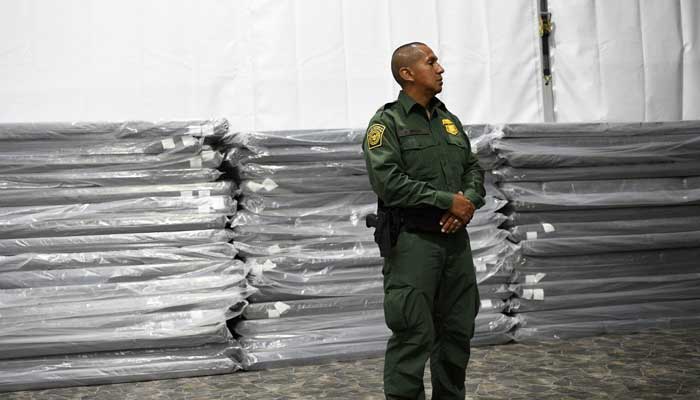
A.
pixel 450 126
pixel 375 133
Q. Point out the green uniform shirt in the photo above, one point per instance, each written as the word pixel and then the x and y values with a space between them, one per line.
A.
pixel 415 161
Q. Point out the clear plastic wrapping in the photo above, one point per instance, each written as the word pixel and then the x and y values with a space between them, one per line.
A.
pixel 604 228
pixel 28 197
pixel 254 171
pixel 45 149
pixel 295 154
pixel 669 292
pixel 263 329
pixel 610 285
pixel 270 290
pixel 582 152
pixel 128 315
pixel 482 241
pixel 307 186
pixel 11 164
pixel 564 272
pixel 102 130
pixel 294 138
pixel 646 170
pixel 224 205
pixel 301 340
pixel 210 251
pixel 581 322
pixel 613 243
pixel 308 307
pixel 602 193
pixel 609 214
pixel 657 258
pixel 334 305
pixel 301 262
pixel 598 129
pixel 112 242
pixel 90 178
pixel 114 273
pixel 112 224
pixel 116 367
pixel 295 205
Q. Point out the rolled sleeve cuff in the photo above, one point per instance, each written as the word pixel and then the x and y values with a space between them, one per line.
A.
pixel 474 197
pixel 443 200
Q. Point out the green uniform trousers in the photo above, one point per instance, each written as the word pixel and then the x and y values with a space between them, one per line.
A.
pixel 430 302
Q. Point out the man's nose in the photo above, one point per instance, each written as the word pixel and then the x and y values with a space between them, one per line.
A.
pixel 440 70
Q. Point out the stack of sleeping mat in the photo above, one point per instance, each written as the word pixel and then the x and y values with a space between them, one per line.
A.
pixel 115 261
pixel 608 220
pixel 301 231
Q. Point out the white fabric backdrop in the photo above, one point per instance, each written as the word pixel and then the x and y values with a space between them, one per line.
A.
pixel 264 64
pixel 626 60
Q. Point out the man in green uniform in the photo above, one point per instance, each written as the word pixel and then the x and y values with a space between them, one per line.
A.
pixel 428 182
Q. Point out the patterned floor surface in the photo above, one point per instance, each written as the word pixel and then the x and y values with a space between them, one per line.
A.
pixel 653 365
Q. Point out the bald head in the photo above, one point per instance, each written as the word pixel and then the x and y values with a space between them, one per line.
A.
pixel 405 56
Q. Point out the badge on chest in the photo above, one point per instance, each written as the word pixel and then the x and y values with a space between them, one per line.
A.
pixel 450 127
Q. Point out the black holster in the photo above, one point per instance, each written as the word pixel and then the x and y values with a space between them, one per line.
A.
pixel 387 224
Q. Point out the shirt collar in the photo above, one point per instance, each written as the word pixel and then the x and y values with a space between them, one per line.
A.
pixel 407 103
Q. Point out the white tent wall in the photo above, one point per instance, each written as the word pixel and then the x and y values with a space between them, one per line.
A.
pixel 626 60
pixel 264 65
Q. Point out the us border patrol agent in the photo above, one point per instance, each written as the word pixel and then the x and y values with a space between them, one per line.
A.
pixel 428 185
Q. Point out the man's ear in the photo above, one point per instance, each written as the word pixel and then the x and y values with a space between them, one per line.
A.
pixel 406 74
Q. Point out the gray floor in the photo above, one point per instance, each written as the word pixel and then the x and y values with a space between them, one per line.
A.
pixel 652 365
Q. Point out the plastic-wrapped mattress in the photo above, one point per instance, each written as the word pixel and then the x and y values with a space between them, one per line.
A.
pixel 33 197
pixel 301 340
pixel 119 241
pixel 104 130
pixel 558 195
pixel 116 367
pixel 579 322
pixel 216 252
pixel 90 178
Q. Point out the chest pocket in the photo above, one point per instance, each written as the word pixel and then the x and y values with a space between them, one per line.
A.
pixel 414 139
pixel 418 151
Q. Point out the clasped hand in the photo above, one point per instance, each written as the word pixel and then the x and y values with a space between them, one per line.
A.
pixel 459 214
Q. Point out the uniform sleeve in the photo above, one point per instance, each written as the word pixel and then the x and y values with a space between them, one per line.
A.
pixel 473 176
pixel 386 170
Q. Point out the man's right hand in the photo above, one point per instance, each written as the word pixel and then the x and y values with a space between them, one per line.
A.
pixel 462 207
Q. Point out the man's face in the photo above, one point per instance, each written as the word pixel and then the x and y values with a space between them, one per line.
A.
pixel 427 72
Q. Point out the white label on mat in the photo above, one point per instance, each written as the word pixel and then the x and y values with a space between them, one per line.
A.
pixel 282 307
pixel 538 294
pixel 531 235
pixel 168 143
pixel 269 184
pixel 186 193
pixel 534 278
pixel 548 227
pixel 196 162
pixel 273 313
pixel 188 141
pixel 486 303
pixel 218 202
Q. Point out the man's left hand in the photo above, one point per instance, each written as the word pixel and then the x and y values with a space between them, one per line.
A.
pixel 451 223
